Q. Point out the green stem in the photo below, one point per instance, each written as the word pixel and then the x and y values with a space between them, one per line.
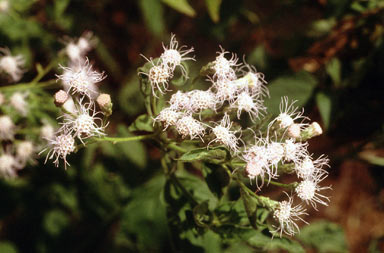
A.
pixel 177 148
pixel 43 72
pixel 115 140
pixel 262 201
pixel 177 183
pixel 290 186
pixel 27 86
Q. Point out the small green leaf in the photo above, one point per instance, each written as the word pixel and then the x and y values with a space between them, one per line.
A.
pixel 181 6
pixel 324 104
pixel 213 7
pixel 152 11
pixel 372 157
pixel 250 206
pixel 333 69
pixel 142 123
pixel 324 236
pixel 204 154
pixel 55 221
pixel 297 87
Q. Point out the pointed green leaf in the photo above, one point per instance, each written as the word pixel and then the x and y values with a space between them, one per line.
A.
pixel 181 6
pixel 204 154
pixel 324 104
pixel 213 7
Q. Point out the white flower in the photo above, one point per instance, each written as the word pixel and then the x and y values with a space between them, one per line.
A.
pixel 81 79
pixel 173 56
pixel 47 131
pixel 249 104
pixel 24 151
pixel 83 123
pixel 18 102
pixel 11 65
pixel 224 135
pixel 180 101
pixel 224 68
pixel 158 76
pixel 76 51
pixel 252 82
pixel 225 90
pixel 288 115
pixel 201 100
pixel 275 153
pixel 295 151
pixel 7 128
pixel 308 191
pixel 309 168
pixel 168 116
pixel 287 216
pixel 4 6
pixel 188 126
pixel 8 166
pixel 61 146
pixel 258 162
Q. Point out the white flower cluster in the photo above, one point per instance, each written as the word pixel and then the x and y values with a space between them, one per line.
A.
pixel 11 66
pixel 80 101
pixel 238 88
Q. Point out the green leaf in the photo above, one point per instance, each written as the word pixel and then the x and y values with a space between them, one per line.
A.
pixel 213 7
pixel 372 157
pixel 181 6
pixel 7 247
pixel 324 104
pixel 262 240
pixel 298 87
pixel 55 221
pixel 130 99
pixel 202 215
pixel 204 154
pixel 217 178
pixel 135 151
pixel 153 14
pixel 142 123
pixel 333 69
pixel 324 236
pixel 250 206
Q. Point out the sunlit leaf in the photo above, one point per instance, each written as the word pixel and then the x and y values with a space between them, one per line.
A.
pixel 324 104
pixel 213 7
pixel 182 6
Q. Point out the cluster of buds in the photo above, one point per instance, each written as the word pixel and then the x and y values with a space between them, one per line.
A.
pixel 210 115
pixel 84 107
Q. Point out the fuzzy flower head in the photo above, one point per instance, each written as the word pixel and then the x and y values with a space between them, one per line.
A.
pixel 25 151
pixel 81 79
pixel 18 101
pixel 47 131
pixel 8 166
pixel 168 116
pixel 173 55
pixel 309 168
pixel 250 104
pixel 11 65
pixel 84 123
pixel 180 101
pixel 288 114
pixel 61 146
pixel 225 91
pixel 76 50
pixel 308 191
pixel 224 135
pixel 295 151
pixel 158 76
pixel 188 126
pixel 287 216
pixel 252 81
pixel 225 69
pixel 275 153
pixel 201 100
pixel 7 128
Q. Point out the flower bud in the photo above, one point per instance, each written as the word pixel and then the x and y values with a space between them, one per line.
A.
pixel 105 104
pixel 60 98
pixel 311 131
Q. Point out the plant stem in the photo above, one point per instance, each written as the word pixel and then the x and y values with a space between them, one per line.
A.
pixel 27 86
pixel 177 148
pixel 290 186
pixel 115 140
pixel 177 183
